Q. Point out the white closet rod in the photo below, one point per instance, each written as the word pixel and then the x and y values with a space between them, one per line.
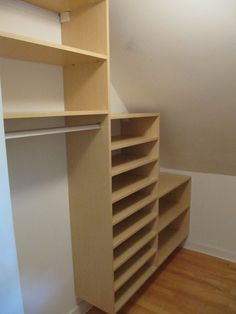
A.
pixel 39 132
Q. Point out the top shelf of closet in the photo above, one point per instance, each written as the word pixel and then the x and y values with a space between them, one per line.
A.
pixel 51 114
pixel 28 49
pixel 61 5
pixel 133 115
pixel 170 181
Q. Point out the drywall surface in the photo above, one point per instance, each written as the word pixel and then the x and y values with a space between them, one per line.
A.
pixel 178 57
pixel 38 170
pixel 10 293
pixel 117 105
pixel 212 227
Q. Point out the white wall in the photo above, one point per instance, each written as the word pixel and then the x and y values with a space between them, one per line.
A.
pixel 212 227
pixel 178 57
pixel 38 170
pixel 10 293
pixel 117 105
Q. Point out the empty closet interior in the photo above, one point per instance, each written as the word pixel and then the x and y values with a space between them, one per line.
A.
pixel 85 183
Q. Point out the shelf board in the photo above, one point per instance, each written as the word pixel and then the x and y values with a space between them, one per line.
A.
pixel 132 266
pixel 132 286
pixel 27 49
pixel 123 162
pixel 127 184
pixel 48 114
pixel 168 182
pixel 118 142
pixel 169 211
pixel 129 248
pixel 131 205
pixel 169 240
pixel 61 5
pixel 132 225
pixel 133 115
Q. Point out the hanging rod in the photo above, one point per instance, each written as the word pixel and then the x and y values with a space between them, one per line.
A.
pixel 40 132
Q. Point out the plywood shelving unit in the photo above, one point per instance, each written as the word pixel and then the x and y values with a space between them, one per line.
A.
pixel 119 237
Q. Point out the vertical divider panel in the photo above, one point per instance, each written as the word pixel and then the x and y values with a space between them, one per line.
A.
pixel 91 217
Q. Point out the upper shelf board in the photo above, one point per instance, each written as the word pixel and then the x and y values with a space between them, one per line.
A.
pixel 27 49
pixel 168 182
pixel 133 115
pixel 61 5
pixel 48 114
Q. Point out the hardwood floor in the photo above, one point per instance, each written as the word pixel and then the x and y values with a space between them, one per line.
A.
pixel 188 283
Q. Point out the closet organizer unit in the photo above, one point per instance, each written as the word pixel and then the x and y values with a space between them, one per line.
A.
pixel 119 238
pixel 84 56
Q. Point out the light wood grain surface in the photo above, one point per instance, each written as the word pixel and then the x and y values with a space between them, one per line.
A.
pixel 46 114
pixel 61 5
pixel 29 49
pixel 170 181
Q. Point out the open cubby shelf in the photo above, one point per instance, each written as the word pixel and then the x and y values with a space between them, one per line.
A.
pixel 124 273
pixel 130 205
pixel 172 236
pixel 169 211
pixel 119 142
pixel 132 286
pixel 170 181
pixel 128 184
pixel 131 246
pixel 124 162
pixel 131 225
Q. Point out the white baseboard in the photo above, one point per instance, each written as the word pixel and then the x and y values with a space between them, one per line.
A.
pixel 82 308
pixel 213 251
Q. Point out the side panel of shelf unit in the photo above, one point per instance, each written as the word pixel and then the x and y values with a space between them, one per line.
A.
pixel 88 28
pixel 91 217
pixel 86 86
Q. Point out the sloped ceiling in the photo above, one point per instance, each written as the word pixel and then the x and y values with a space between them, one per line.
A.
pixel 178 57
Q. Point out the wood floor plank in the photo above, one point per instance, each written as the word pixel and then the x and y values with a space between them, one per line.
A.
pixel 188 283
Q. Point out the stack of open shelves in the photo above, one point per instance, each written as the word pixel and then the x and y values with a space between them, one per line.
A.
pixel 174 204
pixel 134 172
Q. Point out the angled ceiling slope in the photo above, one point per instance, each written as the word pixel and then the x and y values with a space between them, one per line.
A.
pixel 178 57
